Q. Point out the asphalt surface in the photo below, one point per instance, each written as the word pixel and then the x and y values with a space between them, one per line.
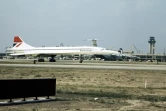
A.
pixel 92 66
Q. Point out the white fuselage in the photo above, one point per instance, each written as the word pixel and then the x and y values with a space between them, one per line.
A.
pixel 61 50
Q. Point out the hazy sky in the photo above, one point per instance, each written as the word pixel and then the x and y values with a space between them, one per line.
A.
pixel 117 23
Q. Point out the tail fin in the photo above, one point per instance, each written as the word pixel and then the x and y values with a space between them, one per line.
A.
pixel 17 40
pixel 19 43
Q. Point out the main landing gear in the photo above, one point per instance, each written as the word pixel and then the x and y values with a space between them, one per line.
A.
pixel 40 60
pixel 81 59
pixel 52 59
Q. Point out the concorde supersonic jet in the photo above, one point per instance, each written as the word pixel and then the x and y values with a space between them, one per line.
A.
pixel 21 48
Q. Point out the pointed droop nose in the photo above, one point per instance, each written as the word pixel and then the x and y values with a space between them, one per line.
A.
pixel 117 53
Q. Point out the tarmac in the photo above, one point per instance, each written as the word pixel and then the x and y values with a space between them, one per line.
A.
pixel 91 65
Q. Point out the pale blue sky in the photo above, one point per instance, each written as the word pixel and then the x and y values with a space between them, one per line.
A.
pixel 118 23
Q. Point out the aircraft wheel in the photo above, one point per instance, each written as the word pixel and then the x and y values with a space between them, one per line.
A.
pixel 40 60
pixel 81 61
pixel 52 60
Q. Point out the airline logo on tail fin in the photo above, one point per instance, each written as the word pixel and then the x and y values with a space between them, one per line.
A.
pixel 17 41
pixel 18 44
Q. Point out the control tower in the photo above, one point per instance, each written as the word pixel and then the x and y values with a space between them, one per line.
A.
pixel 152 45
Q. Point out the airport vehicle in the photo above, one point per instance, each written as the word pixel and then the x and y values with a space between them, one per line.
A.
pixel 21 48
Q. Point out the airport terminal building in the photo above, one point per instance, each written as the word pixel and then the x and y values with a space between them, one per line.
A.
pixel 152 56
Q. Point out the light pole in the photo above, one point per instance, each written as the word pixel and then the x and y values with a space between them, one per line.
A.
pixel 6 51
pixel 153 54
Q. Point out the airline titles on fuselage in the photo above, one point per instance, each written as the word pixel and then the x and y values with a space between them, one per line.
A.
pixel 86 49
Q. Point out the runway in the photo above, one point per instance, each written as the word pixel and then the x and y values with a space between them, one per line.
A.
pixel 92 66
